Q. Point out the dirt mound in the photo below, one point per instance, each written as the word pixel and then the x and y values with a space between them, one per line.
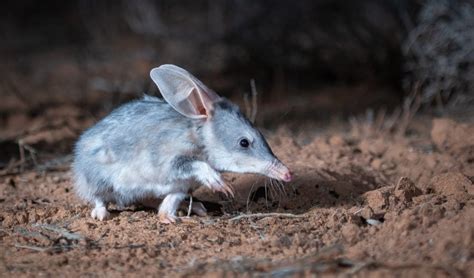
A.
pixel 449 135
pixel 373 205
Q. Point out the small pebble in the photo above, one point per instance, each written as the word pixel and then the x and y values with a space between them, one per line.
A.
pixel 373 222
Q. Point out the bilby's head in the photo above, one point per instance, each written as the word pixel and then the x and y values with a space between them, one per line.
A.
pixel 230 140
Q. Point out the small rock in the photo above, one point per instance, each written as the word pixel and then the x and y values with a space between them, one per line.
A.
pixel 376 164
pixel 377 200
pixel 406 190
pixel 351 233
pixel 373 222
pixel 367 213
pixel 452 184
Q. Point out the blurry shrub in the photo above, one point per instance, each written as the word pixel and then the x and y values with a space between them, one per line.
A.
pixel 439 53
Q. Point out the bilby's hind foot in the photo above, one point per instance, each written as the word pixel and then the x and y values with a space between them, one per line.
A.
pixel 199 209
pixel 168 207
pixel 166 218
pixel 100 213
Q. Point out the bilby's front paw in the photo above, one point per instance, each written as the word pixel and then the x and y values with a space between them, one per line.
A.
pixel 166 218
pixel 100 213
pixel 212 179
pixel 223 187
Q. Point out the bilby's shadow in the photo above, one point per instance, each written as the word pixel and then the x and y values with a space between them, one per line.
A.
pixel 310 188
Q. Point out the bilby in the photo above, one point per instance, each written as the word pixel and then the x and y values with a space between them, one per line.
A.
pixel 166 148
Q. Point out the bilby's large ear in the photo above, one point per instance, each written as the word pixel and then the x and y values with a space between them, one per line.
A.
pixel 184 92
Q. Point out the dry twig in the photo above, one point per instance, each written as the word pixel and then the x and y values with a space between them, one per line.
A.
pixel 253 115
pixel 251 105
pixel 190 207
pixel 59 230
pixel 35 248
pixel 270 214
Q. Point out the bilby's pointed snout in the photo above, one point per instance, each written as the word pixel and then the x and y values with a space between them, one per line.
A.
pixel 286 174
pixel 280 171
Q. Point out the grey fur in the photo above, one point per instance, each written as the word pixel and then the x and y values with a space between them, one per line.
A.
pixel 183 164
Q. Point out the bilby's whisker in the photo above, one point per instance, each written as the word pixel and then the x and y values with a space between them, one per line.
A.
pixel 282 186
pixel 266 193
pixel 273 185
pixel 277 189
pixel 277 185
pixel 250 193
pixel 272 190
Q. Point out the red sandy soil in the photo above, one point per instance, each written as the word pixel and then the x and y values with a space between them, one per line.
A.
pixel 362 202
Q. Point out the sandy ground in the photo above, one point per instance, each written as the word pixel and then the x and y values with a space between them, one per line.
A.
pixel 363 203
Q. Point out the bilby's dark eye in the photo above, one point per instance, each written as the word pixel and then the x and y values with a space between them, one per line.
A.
pixel 244 143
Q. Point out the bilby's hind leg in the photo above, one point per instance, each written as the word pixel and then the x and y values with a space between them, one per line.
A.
pixel 168 207
pixel 196 207
pixel 100 211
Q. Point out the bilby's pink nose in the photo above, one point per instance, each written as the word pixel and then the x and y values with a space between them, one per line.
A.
pixel 281 172
pixel 287 176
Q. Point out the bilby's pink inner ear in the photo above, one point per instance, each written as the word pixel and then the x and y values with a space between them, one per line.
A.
pixel 184 92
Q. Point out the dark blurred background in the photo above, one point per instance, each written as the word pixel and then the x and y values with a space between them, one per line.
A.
pixel 309 58
pixel 69 50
